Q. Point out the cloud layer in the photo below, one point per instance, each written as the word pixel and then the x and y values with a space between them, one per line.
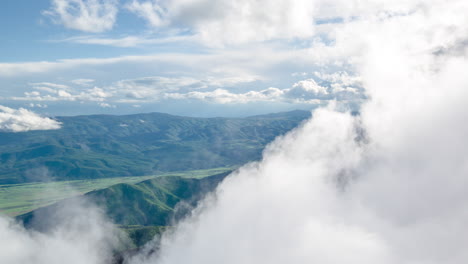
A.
pixel 339 86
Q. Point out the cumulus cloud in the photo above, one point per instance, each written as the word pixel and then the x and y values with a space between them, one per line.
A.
pixel 159 88
pixel 215 89
pixel 147 89
pixel 21 120
pixel 58 92
pixel 84 15
pixel 305 91
pixel 308 87
pixel 224 96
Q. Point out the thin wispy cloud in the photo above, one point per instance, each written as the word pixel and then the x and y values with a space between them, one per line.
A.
pixel 84 15
pixel 127 41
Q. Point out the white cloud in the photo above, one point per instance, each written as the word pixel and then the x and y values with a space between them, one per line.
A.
pixel 83 82
pixel 49 85
pixel 342 82
pixel 295 74
pixel 160 88
pixel 309 86
pixel 151 11
pixel 306 91
pixel 340 77
pixel 302 92
pixel 231 22
pixel 229 62
pixel 21 120
pixel 38 105
pixel 77 232
pixel 58 92
pixel 32 94
pixel 84 15
pixel 388 186
pixel 62 93
pixel 106 105
pixel 128 41
pixel 157 88
pixel 160 83
pixel 215 89
pixel 226 97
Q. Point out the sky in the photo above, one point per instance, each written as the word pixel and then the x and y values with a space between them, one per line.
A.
pixel 194 58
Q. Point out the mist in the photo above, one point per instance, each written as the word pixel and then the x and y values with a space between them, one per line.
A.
pixel 388 185
pixel 75 231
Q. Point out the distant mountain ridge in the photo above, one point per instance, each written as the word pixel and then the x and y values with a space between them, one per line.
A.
pixel 98 146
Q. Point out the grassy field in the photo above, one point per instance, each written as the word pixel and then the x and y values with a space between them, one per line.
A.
pixel 17 199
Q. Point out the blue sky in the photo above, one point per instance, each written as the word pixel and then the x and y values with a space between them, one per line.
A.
pixel 196 57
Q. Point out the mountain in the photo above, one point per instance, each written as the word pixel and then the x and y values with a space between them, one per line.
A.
pixel 100 146
pixel 148 203
pixel 153 202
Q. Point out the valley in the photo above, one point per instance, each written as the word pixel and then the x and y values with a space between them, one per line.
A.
pixel 145 171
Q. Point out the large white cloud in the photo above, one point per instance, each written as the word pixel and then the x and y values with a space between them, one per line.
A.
pixel 20 120
pixel 225 22
pixel 387 186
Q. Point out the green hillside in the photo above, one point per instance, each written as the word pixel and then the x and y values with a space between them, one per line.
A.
pixel 148 203
pixel 142 210
pixel 21 198
pixel 102 146
pixel 152 202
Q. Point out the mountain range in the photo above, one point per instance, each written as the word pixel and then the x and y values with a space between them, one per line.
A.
pixel 104 146
pixel 101 146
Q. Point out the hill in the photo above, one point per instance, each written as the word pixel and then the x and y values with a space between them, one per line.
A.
pixel 153 202
pixel 100 146
pixel 142 210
